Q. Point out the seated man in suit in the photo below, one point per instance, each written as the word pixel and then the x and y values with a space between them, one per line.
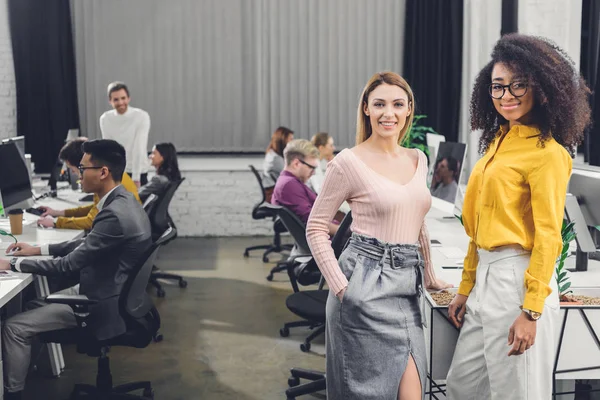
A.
pixel 79 217
pixel 119 237
pixel 301 159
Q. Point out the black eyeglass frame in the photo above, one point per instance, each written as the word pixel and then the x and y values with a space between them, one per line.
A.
pixel 81 168
pixel 313 167
pixel 510 89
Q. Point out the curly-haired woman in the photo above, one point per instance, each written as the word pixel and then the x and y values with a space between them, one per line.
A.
pixel 531 104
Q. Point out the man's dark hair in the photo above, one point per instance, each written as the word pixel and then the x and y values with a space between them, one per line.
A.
pixel 107 153
pixel 561 109
pixel 72 151
pixel 116 86
pixel 452 164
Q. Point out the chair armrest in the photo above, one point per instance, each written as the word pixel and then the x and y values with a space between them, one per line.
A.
pixel 78 302
pixel 302 259
pixel 71 300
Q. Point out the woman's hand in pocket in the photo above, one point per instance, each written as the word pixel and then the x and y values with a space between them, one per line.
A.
pixel 341 293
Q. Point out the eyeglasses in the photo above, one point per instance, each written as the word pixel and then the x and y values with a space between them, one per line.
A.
pixel 307 164
pixel 517 89
pixel 81 168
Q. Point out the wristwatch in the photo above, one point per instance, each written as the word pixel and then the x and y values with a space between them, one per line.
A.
pixel 13 264
pixel 533 315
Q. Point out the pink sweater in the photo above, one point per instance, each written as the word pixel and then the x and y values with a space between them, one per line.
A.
pixel 381 208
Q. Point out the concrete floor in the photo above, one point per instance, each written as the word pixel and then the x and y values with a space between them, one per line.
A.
pixel 221 333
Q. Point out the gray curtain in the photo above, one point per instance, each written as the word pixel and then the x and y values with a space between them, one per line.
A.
pixel 221 75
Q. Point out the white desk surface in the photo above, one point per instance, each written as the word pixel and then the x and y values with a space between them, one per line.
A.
pixel 33 235
pixel 451 234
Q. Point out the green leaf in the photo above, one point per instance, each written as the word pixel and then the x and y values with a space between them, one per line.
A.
pixel 564 287
pixel 562 275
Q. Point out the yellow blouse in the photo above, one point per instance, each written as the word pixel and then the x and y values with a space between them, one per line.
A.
pixel 516 195
pixel 83 217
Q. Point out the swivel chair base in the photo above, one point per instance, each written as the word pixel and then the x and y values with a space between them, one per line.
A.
pixel 305 347
pixel 156 275
pixel 104 389
pixel 317 383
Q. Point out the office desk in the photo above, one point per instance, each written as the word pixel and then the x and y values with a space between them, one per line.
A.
pixel 37 236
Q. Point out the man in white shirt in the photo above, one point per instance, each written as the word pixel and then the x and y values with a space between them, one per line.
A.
pixel 130 127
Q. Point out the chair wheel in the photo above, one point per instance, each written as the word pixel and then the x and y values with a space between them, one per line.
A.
pixel 270 277
pixel 293 381
pixel 246 254
pixel 265 259
pixel 284 332
pixel 148 393
pixel 305 347
pixel 183 284
pixel 160 293
pixel 158 338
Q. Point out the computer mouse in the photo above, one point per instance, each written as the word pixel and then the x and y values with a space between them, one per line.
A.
pixel 43 227
pixel 13 251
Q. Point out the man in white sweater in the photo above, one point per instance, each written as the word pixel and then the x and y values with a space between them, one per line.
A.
pixel 130 127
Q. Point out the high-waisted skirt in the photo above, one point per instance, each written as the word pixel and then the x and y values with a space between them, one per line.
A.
pixel 378 325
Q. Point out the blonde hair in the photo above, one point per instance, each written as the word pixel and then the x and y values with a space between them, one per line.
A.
pixel 299 149
pixel 320 139
pixel 363 123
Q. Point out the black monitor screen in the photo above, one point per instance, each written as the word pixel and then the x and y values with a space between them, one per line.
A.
pixel 19 141
pixel 445 173
pixel 15 184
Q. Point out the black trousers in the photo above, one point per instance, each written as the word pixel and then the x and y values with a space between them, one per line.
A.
pixel 143 178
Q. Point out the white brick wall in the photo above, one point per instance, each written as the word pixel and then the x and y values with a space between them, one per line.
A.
pixel 218 203
pixel 8 94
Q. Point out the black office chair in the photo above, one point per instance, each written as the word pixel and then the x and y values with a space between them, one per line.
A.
pixel 142 321
pixel 160 220
pixel 298 231
pixel 259 212
pixel 311 304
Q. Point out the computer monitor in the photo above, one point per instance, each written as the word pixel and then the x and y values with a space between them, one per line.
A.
pixel 445 177
pixel 583 208
pixel 72 134
pixel 585 186
pixel 19 141
pixel 433 143
pixel 15 182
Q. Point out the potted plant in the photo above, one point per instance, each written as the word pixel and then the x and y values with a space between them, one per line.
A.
pixel 562 278
pixel 416 137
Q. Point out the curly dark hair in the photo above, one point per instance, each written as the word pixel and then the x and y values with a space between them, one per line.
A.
pixel 561 109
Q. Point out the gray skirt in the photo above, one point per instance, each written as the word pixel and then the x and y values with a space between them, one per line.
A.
pixel 371 334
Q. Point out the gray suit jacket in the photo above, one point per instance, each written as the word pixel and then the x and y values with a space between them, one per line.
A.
pixel 157 186
pixel 120 235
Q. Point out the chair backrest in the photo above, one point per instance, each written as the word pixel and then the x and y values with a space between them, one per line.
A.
pixel 135 305
pixel 159 216
pixel 339 239
pixel 258 177
pixel 295 227
pixel 150 203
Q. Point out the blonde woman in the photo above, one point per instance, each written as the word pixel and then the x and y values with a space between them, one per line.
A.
pixel 375 340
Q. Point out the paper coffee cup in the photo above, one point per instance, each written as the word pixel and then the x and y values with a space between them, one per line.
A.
pixel 16 221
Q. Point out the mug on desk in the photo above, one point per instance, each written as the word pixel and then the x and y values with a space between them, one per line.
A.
pixel 16 221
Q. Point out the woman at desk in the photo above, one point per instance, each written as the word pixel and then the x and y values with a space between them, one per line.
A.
pixel 274 163
pixel 375 340
pixel 79 217
pixel 531 105
pixel 164 160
